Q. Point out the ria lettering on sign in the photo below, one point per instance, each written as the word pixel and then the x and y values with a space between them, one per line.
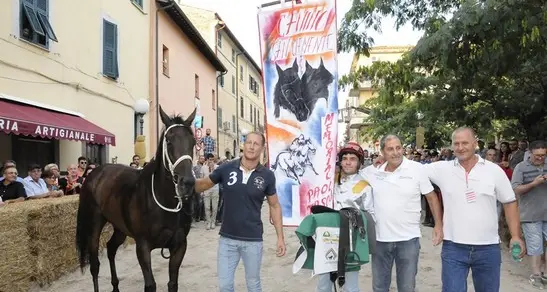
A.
pixel 9 125
pixel 13 126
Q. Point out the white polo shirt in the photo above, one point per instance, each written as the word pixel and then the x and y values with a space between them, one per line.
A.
pixel 397 199
pixel 469 199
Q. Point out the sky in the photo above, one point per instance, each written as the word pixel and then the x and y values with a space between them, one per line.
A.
pixel 241 17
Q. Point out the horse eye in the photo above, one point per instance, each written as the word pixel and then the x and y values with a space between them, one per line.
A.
pixel 175 178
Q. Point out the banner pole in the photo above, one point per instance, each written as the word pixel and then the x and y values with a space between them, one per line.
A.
pixel 272 3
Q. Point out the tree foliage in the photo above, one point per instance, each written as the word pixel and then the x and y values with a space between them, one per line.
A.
pixel 485 67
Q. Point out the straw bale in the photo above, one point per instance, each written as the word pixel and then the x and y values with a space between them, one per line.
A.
pixel 52 232
pixel 16 266
pixel 38 243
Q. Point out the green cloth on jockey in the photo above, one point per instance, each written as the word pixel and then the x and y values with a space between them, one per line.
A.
pixel 308 227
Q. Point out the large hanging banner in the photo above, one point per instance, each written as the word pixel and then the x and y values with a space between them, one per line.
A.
pixel 298 49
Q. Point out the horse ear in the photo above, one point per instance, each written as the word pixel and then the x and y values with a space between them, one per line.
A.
pixel 164 117
pixel 279 71
pixel 188 122
pixel 322 64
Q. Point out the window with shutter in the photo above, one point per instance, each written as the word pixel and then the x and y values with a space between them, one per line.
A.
pixel 219 39
pixel 34 22
pixel 138 3
pixel 251 113
pixel 219 117
pixel 110 49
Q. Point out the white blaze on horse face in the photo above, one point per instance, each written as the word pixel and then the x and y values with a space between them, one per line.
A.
pixel 350 164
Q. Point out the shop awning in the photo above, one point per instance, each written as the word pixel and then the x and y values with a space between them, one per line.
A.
pixel 23 119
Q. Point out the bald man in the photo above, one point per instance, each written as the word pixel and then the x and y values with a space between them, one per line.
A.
pixel 471 186
pixel 71 184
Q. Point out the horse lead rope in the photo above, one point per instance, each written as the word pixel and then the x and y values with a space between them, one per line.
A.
pixel 171 168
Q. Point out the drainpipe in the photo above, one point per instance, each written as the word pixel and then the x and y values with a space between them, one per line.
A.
pixel 237 99
pixel 172 3
pixel 218 126
pixel 218 78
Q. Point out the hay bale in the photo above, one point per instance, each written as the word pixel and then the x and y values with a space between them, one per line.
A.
pixel 16 260
pixel 52 230
pixel 39 243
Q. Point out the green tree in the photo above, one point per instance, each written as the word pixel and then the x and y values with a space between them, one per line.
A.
pixel 484 67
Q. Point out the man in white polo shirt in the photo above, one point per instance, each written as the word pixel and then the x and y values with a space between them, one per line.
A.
pixel 471 186
pixel 398 185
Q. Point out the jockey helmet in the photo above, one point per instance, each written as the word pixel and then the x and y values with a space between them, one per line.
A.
pixel 353 148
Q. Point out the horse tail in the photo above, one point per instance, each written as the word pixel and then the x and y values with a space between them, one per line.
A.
pixel 274 166
pixel 84 225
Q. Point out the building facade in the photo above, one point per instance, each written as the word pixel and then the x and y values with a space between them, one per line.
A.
pixel 241 100
pixel 353 114
pixel 185 70
pixel 70 73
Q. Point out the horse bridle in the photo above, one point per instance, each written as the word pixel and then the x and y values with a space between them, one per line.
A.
pixel 166 161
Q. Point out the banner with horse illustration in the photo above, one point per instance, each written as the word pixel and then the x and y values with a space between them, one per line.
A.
pixel 298 51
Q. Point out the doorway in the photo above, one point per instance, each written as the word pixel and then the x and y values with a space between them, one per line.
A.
pixel 30 150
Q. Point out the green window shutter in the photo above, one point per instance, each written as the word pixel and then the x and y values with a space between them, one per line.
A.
pixel 33 19
pixel 47 26
pixel 110 49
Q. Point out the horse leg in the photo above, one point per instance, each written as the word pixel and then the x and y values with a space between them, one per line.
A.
pixel 177 254
pixel 312 168
pixel 94 249
pixel 112 247
pixel 143 255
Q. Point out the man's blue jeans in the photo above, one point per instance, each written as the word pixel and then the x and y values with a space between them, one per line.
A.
pixel 483 260
pixel 229 253
pixel 405 254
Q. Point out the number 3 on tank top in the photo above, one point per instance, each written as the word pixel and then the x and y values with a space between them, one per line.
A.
pixel 233 178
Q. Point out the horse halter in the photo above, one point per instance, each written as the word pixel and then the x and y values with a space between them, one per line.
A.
pixel 170 166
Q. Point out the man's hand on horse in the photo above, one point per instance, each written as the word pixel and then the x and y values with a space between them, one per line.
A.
pixel 281 248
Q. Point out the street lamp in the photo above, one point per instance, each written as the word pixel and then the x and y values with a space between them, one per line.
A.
pixel 141 108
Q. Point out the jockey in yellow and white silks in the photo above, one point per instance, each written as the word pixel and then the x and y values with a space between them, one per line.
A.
pixel 351 190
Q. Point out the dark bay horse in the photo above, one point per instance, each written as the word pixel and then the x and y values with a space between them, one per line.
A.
pixel 152 205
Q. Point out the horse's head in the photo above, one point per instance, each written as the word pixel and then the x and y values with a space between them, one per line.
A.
pixel 177 152
pixel 310 146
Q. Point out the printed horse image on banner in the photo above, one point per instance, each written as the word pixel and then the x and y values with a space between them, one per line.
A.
pixel 298 54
